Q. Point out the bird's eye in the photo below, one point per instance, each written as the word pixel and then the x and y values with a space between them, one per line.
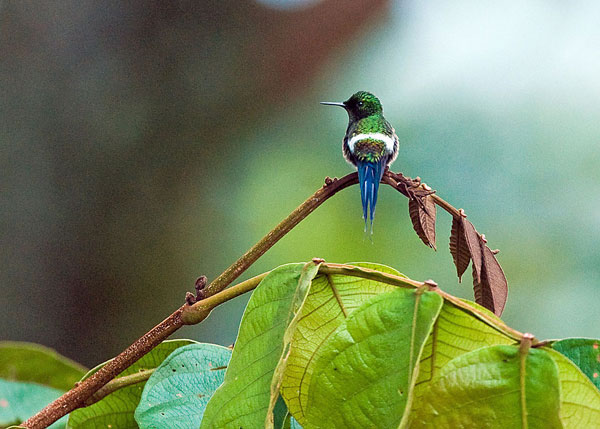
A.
pixel 360 103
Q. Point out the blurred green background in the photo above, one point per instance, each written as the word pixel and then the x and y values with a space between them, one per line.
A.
pixel 146 143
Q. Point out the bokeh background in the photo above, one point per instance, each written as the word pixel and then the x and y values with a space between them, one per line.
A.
pixel 146 143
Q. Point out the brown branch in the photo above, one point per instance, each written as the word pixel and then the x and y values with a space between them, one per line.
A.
pixel 417 189
pixel 331 187
pixel 76 397
pixel 214 295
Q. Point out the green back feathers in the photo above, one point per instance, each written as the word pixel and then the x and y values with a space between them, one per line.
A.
pixel 369 150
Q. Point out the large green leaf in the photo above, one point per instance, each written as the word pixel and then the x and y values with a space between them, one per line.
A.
pixel 455 332
pixel 579 398
pixel 244 398
pixel 20 400
pixel 493 387
pixel 583 352
pixel 365 371
pixel 117 409
pixel 331 299
pixel 177 392
pixel 39 364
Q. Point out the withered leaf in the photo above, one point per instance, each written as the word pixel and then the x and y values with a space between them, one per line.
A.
pixel 475 245
pixel 496 281
pixel 491 288
pixel 459 247
pixel 423 219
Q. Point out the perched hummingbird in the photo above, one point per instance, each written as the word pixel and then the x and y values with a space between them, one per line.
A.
pixel 370 144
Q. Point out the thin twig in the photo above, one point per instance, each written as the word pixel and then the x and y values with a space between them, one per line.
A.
pixel 119 383
pixel 331 187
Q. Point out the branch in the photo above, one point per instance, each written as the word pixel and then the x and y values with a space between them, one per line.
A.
pixel 331 187
pixel 76 397
pixel 214 294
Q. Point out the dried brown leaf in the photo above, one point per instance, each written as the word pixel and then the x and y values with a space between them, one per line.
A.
pixel 482 294
pixel 490 287
pixel 459 247
pixel 423 219
pixel 495 279
pixel 475 245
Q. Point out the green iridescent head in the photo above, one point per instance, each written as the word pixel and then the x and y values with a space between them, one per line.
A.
pixel 360 105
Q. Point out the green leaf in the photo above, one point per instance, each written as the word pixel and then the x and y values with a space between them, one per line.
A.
pixel 20 400
pixel 117 409
pixel 366 370
pixel 244 398
pixel 493 387
pixel 177 392
pixel 583 352
pixel 579 398
pixel 331 299
pixel 454 333
pixel 39 364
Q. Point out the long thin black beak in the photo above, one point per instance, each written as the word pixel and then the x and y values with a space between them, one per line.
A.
pixel 330 103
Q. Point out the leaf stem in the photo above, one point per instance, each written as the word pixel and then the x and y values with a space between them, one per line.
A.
pixel 118 383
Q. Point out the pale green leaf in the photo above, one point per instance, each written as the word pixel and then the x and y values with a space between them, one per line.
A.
pixel 579 398
pixel 365 371
pixel 493 387
pixel 243 399
pixel 330 300
pixel 454 333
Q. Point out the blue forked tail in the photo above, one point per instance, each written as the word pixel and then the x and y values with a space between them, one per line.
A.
pixel 369 176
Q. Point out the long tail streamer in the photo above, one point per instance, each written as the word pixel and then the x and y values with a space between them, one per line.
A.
pixel 369 176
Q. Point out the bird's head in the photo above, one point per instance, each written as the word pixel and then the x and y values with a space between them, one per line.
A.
pixel 360 105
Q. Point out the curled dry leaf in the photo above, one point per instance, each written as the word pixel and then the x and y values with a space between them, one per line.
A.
pixel 423 219
pixel 459 247
pixel 493 278
pixel 489 283
pixel 475 244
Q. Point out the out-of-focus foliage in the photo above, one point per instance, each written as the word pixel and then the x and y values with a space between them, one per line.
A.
pixel 32 362
pixel 142 145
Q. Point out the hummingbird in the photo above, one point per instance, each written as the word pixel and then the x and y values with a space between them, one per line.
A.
pixel 370 144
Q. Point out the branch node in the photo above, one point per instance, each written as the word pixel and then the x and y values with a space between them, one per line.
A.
pixel 200 284
pixel 318 260
pixel 431 284
pixel 462 213
pixel 190 298
pixel 329 180
pixel 526 342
